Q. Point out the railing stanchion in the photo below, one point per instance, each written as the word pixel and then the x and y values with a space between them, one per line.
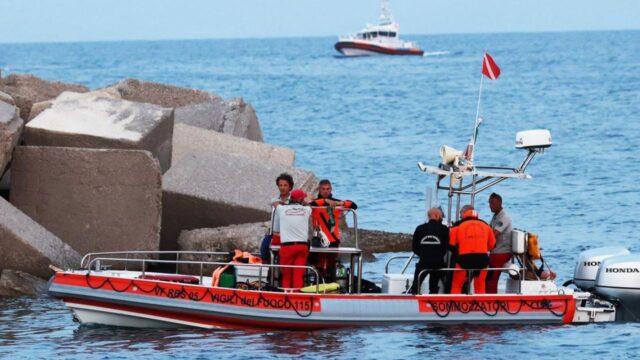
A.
pixel 201 271
pixel 406 265
pixel 355 226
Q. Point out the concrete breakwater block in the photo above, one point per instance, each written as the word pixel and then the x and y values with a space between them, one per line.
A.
pixel 208 190
pixel 376 241
pixel 39 107
pixel 95 199
pixel 97 121
pixel 240 119
pixel 6 98
pixel 10 129
pixel 195 107
pixel 189 139
pixel 245 237
pixel 207 115
pixel 234 117
pixel 27 90
pixel 18 283
pixel 29 247
pixel 160 94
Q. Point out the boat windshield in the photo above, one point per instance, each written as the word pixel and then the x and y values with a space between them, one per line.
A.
pixel 375 34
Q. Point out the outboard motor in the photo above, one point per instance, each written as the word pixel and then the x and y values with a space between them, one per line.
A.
pixel 618 280
pixel 584 276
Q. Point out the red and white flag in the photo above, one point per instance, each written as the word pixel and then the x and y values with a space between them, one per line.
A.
pixel 489 67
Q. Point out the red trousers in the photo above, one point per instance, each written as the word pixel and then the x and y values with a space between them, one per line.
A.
pixel 459 277
pixel 496 261
pixel 275 239
pixel 296 254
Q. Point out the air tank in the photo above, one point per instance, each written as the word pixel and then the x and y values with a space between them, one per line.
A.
pixel 584 275
pixel 618 280
pixel 519 240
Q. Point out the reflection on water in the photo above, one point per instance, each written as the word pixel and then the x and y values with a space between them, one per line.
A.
pixel 324 343
pixel 44 328
pixel 194 342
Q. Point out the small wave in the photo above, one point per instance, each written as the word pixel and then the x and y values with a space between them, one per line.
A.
pixel 435 53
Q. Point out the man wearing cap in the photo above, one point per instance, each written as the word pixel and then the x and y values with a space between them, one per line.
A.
pixel 501 254
pixel 293 226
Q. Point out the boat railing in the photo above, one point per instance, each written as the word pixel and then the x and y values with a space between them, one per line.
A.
pixel 511 270
pixel 97 264
pixel 136 253
pixel 470 275
pixel 409 258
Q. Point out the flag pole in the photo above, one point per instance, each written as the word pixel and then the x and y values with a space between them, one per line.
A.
pixel 474 135
pixel 475 128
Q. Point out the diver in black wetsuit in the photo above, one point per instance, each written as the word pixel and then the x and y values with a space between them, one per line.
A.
pixel 430 243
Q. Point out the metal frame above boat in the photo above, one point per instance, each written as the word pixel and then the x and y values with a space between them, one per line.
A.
pixel 479 175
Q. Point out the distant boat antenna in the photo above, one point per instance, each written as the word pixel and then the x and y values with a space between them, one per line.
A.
pixel 385 15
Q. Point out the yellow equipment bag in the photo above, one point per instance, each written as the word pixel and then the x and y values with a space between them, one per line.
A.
pixel 330 288
pixel 534 248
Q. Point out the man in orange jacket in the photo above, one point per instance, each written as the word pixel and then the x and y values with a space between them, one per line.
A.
pixel 326 216
pixel 474 239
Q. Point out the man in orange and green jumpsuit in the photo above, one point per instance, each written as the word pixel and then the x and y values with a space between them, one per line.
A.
pixel 326 216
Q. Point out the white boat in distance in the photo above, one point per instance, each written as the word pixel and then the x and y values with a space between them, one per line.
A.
pixel 381 39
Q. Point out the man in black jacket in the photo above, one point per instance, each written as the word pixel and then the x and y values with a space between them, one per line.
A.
pixel 430 243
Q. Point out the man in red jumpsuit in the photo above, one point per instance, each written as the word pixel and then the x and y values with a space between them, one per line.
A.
pixel 474 239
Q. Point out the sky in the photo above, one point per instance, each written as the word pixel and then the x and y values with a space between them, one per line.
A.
pixel 99 20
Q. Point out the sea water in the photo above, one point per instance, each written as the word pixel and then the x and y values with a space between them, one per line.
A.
pixel 364 123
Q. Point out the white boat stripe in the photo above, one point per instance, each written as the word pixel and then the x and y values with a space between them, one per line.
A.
pixel 73 305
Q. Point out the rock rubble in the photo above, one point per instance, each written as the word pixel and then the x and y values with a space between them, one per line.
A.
pixel 11 126
pixel 27 90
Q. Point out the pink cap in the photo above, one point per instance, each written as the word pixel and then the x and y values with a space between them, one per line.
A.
pixel 297 195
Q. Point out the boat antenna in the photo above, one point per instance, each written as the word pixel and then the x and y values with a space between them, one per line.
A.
pixel 469 152
pixel 385 15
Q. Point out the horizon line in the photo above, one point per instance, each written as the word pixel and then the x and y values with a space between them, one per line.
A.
pixel 36 42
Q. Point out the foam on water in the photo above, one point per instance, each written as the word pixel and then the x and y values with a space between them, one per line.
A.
pixel 435 53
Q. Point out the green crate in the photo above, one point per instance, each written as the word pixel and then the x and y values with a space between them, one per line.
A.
pixel 228 280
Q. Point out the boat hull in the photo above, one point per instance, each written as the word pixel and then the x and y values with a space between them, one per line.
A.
pixel 352 48
pixel 155 304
